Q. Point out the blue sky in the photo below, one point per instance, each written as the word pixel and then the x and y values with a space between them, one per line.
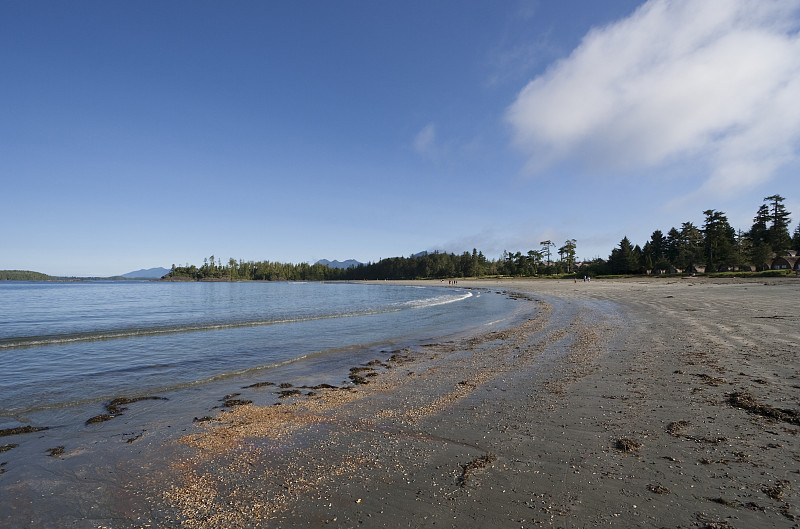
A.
pixel 142 134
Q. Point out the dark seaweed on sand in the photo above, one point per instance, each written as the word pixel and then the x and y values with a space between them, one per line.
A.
pixel 21 429
pixel 230 403
pixel 476 464
pixel 324 386
pixel 259 385
pixel 748 403
pixel 103 417
pixel 55 452
pixel 675 428
pixel 116 407
pixel 777 491
pixel 358 379
pixel 627 445
pixel 658 489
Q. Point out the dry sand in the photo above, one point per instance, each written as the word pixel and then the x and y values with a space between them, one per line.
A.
pixel 626 403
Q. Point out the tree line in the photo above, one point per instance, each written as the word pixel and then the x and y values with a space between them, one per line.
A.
pixel 427 265
pixel 23 275
pixel 715 245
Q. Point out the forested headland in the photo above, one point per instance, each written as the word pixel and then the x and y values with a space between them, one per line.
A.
pixel 23 275
pixel 714 246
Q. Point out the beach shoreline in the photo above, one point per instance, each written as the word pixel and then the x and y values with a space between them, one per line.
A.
pixel 626 403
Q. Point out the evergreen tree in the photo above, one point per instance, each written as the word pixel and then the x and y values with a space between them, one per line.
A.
pixel 567 253
pixel 690 249
pixel 771 227
pixel 638 259
pixel 719 241
pixel 483 264
pixel 759 231
pixel 779 238
pixel 796 239
pixel 623 259
pixel 647 257
pixel 535 259
pixel 657 244
pixel 655 252
pixel 673 247
pixel 761 255
pixel 546 245
pixel 233 269
pixel 760 250
pixel 743 249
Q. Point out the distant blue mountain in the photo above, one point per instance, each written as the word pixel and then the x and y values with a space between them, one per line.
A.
pixel 350 263
pixel 150 273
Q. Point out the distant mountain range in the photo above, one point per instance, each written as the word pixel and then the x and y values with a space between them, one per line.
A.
pixel 150 273
pixel 339 264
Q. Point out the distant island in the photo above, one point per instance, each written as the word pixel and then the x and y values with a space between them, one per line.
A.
pixel 150 273
pixel 27 275
pixel 24 275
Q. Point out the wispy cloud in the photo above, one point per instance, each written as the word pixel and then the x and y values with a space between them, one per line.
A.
pixel 425 141
pixel 714 82
pixel 444 151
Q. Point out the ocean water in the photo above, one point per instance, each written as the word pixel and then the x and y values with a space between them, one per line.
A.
pixel 71 344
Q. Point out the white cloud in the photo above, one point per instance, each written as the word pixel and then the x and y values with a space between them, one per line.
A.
pixel 715 81
pixel 425 141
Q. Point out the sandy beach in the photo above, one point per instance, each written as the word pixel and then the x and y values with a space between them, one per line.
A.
pixel 623 403
pixel 626 403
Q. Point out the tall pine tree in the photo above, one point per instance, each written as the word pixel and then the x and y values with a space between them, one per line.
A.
pixel 759 231
pixel 673 247
pixel 796 239
pixel 623 259
pixel 769 233
pixel 690 251
pixel 719 241
pixel 778 235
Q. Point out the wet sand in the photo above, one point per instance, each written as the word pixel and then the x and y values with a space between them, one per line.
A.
pixel 624 403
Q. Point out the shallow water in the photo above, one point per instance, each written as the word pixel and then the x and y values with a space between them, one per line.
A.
pixel 75 344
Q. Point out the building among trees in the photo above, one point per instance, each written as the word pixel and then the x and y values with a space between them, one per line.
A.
pixel 790 261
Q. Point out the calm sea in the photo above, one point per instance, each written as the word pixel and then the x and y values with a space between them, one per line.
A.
pixel 71 343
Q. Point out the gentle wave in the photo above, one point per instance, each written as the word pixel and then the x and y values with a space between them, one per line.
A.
pixel 434 301
pixel 116 334
pixel 60 339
